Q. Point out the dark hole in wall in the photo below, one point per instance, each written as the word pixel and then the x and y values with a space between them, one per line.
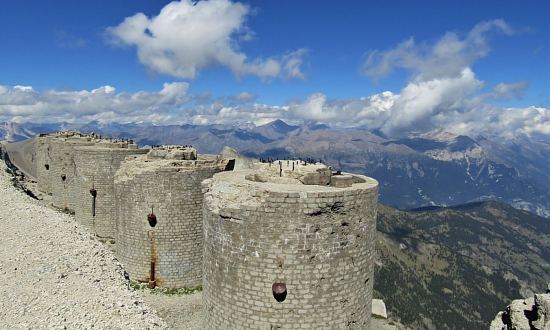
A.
pixel 152 218
pixel 47 166
pixel 93 192
pixel 63 177
pixel 279 291
pixel 230 165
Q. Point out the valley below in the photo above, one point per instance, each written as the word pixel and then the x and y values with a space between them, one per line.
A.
pixel 455 268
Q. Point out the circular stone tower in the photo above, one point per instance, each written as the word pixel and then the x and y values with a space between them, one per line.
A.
pixel 94 193
pixel 288 246
pixel 62 169
pixel 158 198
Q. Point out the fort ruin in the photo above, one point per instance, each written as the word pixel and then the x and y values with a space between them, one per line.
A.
pixel 56 168
pixel 287 244
pixel 96 166
pixel 274 244
pixel 159 215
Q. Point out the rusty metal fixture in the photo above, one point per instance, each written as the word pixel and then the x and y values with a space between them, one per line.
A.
pixel 63 177
pixel 279 291
pixel 152 218
pixel 152 281
pixel 93 192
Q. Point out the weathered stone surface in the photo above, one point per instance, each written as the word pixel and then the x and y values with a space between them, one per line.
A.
pixel 171 190
pixel 525 314
pixel 55 164
pixel 173 152
pixel 317 240
pixel 241 162
pixel 379 308
pixel 95 170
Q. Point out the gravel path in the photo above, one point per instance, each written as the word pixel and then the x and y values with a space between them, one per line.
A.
pixel 57 276
pixel 180 312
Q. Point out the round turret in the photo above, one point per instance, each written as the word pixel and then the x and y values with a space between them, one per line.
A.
pixel 95 196
pixel 287 246
pixel 159 215
pixel 62 170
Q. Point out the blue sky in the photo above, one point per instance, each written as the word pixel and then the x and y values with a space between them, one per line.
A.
pixel 71 46
pixel 62 45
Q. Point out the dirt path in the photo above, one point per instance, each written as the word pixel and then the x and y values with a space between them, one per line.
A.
pixel 57 276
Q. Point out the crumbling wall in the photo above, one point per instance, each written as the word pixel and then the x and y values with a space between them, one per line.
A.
pixel 94 193
pixel 168 186
pixel 288 255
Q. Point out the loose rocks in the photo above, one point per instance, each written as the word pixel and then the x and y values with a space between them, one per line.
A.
pixel 58 276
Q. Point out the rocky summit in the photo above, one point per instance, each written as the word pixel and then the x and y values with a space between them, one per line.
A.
pixel 529 313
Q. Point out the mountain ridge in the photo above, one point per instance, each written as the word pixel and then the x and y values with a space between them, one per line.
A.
pixel 435 168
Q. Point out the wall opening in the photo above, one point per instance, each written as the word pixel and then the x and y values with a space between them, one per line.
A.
pixel 93 192
pixel 230 165
pixel 47 166
pixel 279 291
pixel 152 218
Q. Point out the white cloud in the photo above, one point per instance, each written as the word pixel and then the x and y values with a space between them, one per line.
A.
pixel 246 96
pixel 187 37
pixel 444 92
pixel 103 104
pixel 509 91
pixel 445 58
pixel 421 106
pixel 420 102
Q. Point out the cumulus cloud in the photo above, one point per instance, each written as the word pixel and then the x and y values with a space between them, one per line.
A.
pixel 187 37
pixel 420 107
pixel 443 93
pixel 246 96
pixel 390 113
pixel 104 104
pixel 445 58
pixel 504 91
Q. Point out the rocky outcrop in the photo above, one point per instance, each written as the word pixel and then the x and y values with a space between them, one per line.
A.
pixel 531 313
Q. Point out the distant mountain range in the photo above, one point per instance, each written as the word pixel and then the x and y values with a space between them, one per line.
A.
pixel 436 267
pixel 455 268
pixel 434 169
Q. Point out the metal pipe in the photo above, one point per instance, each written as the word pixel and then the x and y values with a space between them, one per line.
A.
pixel 152 281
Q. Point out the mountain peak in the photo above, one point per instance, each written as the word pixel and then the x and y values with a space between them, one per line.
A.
pixel 279 126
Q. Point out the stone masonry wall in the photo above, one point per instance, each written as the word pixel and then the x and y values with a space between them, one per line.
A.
pixel 316 240
pixel 173 189
pixel 62 171
pixel 96 167
pixel 43 164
